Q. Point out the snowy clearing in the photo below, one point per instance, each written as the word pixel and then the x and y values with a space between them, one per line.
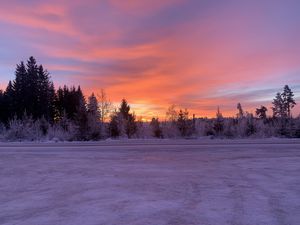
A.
pixel 151 182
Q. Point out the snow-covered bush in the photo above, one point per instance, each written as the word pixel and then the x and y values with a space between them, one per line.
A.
pixel 65 130
pixel 25 130
pixel 170 130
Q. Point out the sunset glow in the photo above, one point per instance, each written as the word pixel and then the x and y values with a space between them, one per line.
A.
pixel 196 54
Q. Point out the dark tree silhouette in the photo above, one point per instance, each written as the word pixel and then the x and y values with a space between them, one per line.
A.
pixel 114 129
pixel 288 99
pixel 278 106
pixel 20 90
pixel 261 112
pixel 283 103
pixel 184 124
pixel 124 109
pixel 123 122
pixel 218 125
pixel 30 107
pixel 240 113
pixel 156 128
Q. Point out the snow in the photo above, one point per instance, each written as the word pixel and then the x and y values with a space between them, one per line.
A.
pixel 159 182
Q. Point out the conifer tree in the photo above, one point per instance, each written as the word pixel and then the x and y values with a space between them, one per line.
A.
pixel 20 89
pixel 218 123
pixel 278 106
pixel 283 103
pixel 32 93
pixel 80 118
pixel 2 105
pixel 240 113
pixel 43 96
pixel 114 125
pixel 184 124
pixel 124 109
pixel 9 109
pixel 131 125
pixel 288 100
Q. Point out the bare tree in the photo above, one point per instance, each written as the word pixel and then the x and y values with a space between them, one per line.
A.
pixel 172 114
pixel 105 105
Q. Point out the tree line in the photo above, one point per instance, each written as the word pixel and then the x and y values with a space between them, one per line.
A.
pixel 31 109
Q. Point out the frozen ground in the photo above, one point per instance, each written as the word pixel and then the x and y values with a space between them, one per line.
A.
pixel 151 182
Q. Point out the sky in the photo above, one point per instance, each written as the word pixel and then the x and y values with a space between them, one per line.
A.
pixel 197 54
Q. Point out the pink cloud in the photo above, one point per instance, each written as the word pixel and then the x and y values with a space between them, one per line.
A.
pixel 196 61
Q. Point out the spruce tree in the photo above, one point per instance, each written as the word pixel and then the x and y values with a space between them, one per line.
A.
pixel 131 125
pixel 80 118
pixel 114 125
pixel 124 109
pixel 2 105
pixel 32 93
pixel 52 112
pixel 20 89
pixel 9 109
pixel 283 103
pixel 44 100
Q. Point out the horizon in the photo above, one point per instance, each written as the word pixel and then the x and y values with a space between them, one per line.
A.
pixel 197 55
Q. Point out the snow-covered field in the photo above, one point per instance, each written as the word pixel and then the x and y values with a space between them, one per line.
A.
pixel 151 182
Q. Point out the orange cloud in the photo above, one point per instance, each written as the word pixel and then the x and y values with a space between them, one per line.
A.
pixel 156 53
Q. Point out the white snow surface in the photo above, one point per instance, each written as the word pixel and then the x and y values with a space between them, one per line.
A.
pixel 151 182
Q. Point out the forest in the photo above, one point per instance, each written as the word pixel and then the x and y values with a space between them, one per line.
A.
pixel 31 109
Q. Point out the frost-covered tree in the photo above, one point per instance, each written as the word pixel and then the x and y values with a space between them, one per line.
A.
pixel 105 105
pixel 25 128
pixel 250 125
pixel 93 118
pixel 172 114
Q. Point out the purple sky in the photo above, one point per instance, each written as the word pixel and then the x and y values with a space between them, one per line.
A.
pixel 197 54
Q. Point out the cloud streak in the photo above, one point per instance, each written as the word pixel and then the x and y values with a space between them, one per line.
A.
pixel 197 54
